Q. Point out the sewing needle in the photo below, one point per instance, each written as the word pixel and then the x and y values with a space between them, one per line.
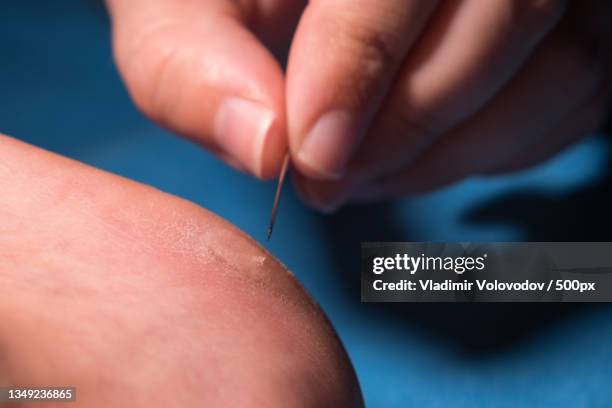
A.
pixel 277 195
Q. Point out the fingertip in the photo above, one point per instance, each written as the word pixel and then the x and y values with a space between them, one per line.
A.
pixel 252 134
pixel 273 149
pixel 204 75
pixel 325 151
pixel 343 60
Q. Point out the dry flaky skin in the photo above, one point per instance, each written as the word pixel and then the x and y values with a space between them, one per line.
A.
pixel 140 299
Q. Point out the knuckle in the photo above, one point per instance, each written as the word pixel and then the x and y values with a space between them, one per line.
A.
pixel 371 54
pixel 145 61
pixel 374 45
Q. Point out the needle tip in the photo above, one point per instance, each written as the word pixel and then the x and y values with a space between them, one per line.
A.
pixel 277 195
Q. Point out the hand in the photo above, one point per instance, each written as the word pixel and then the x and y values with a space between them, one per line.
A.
pixel 132 296
pixel 199 67
pixel 484 87
pixel 382 98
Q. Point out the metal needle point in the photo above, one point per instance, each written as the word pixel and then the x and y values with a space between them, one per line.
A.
pixel 277 195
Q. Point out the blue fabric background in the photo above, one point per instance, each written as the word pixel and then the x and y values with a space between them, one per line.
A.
pixel 60 91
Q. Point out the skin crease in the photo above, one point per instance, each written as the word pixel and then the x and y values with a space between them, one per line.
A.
pixel 139 299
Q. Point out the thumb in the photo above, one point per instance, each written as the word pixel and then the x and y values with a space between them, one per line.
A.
pixel 195 68
pixel 343 59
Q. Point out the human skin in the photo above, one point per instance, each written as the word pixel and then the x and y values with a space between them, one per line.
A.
pixel 140 299
pixel 379 98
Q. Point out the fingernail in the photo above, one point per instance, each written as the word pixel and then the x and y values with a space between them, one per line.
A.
pixel 241 129
pixel 327 148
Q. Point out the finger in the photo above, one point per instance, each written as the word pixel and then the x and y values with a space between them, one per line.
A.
pixel 584 121
pixel 470 51
pixel 344 56
pixel 453 71
pixel 587 120
pixel 561 77
pixel 196 69
pixel 596 34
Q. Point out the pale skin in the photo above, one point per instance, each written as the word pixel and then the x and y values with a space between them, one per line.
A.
pixel 380 98
pixel 138 299
pixel 126 292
